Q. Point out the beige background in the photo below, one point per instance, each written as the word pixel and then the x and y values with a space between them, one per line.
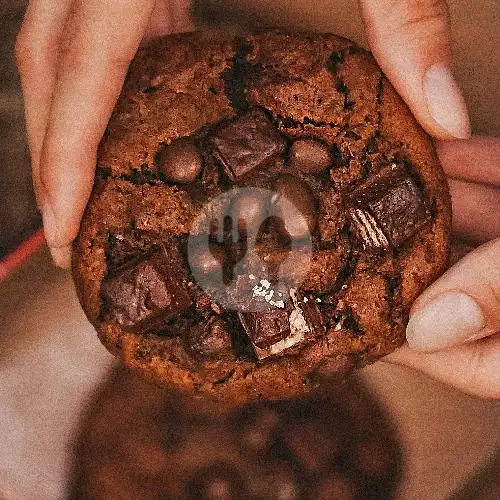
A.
pixel 51 358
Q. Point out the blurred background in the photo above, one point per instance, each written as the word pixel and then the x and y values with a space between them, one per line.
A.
pixel 50 358
pixel 18 214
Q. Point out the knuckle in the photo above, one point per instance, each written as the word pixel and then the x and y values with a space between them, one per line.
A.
pixel 427 12
pixel 479 374
pixel 419 18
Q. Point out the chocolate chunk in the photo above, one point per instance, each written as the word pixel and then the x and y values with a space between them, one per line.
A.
pixel 180 161
pixel 211 340
pixel 126 245
pixel 249 210
pixel 309 156
pixel 290 190
pixel 284 265
pixel 388 209
pixel 273 331
pixel 251 141
pixel 145 295
pixel 218 481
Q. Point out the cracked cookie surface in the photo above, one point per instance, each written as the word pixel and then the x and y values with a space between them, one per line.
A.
pixel 356 225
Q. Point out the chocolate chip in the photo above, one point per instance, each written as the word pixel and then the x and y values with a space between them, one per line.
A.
pixel 388 209
pixel 309 156
pixel 180 161
pixel 210 340
pixel 284 265
pixel 251 141
pixel 249 210
pixel 219 481
pixel 145 295
pixel 291 190
pixel 206 258
pixel 273 331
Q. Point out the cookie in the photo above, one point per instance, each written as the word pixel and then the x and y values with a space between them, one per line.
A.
pixel 265 211
pixel 140 441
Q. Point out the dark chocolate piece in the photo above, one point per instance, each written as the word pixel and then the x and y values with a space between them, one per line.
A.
pixel 143 296
pixel 291 190
pixel 388 209
pixel 211 340
pixel 180 161
pixel 273 331
pixel 249 210
pixel 126 245
pixel 309 156
pixel 246 143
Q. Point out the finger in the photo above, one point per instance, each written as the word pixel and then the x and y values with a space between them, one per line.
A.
pixel 160 20
pixel 477 159
pixel 100 40
pixel 462 306
pixel 459 249
pixel 410 40
pixel 36 54
pixel 472 368
pixel 475 210
pixel 169 16
pixel 180 14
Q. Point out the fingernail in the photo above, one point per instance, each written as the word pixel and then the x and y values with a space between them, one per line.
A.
pixel 61 256
pixel 449 319
pixel 445 101
pixel 49 223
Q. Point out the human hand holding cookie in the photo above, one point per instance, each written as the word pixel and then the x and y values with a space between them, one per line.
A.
pixel 453 332
pixel 81 58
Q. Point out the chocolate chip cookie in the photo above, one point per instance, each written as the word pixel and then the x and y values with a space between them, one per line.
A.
pixel 265 211
pixel 140 441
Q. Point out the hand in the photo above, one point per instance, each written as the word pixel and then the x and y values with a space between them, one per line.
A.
pixel 73 56
pixel 411 41
pixel 454 329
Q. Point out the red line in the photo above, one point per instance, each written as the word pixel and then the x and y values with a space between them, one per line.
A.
pixel 27 248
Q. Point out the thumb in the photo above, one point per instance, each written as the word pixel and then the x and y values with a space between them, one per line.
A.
pixel 411 41
pixel 462 306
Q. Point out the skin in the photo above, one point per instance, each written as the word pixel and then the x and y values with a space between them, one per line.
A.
pixel 73 56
